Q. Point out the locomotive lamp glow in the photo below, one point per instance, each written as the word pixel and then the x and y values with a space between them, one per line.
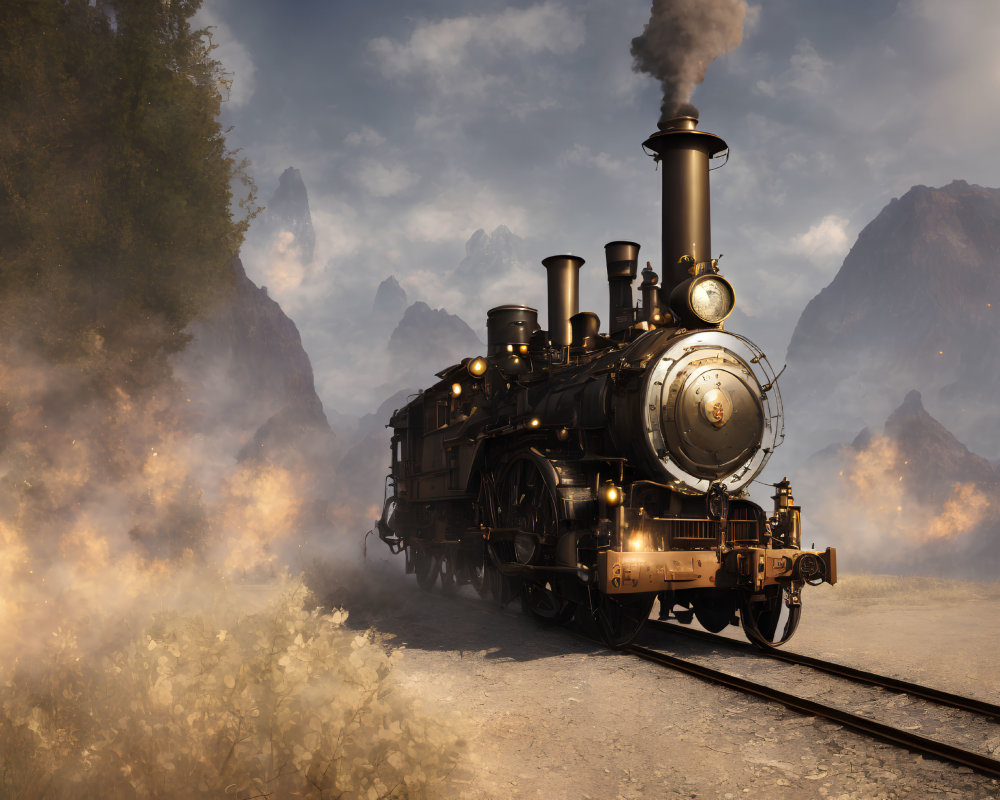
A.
pixel 635 488
pixel 612 495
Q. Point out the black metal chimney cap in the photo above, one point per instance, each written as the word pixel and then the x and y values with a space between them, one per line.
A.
pixel 682 132
pixel 553 261
pixel 623 259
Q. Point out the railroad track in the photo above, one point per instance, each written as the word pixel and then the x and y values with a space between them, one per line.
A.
pixel 921 744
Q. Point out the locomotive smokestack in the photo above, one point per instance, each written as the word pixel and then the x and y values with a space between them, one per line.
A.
pixel 683 152
pixel 623 260
pixel 564 296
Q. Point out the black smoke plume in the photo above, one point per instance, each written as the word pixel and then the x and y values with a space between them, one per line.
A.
pixel 678 43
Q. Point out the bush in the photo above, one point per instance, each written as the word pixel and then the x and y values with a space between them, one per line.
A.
pixel 278 702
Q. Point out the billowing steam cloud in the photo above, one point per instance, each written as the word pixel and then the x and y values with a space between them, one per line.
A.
pixel 680 40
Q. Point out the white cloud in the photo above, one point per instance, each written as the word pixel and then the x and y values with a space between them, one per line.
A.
pixel 234 55
pixel 382 179
pixel 364 137
pixel 808 74
pixel 825 243
pixel 443 50
pixel 581 155
pixel 459 209
pixel 471 58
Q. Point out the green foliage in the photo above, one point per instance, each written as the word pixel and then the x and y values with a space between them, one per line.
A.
pixel 283 702
pixel 115 180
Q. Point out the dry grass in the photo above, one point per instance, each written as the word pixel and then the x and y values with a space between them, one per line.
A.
pixel 221 700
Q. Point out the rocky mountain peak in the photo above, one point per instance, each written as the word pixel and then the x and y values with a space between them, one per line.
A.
pixel 489 255
pixel 913 498
pixel 429 339
pixel 930 453
pixel 916 304
pixel 287 212
pixel 923 265
pixel 390 298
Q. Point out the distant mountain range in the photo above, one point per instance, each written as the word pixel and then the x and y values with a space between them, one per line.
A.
pixel 429 339
pixel 248 373
pixel 488 256
pixel 916 304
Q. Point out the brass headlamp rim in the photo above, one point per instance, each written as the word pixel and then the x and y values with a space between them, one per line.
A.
pixel 682 294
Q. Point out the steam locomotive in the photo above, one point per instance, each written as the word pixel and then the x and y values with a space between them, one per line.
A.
pixel 593 473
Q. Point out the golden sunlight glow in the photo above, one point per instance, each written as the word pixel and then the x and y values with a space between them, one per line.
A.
pixel 879 498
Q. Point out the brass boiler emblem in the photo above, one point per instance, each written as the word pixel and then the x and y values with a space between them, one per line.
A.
pixel 717 407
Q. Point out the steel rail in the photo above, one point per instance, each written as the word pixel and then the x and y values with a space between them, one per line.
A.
pixel 912 741
pixel 840 670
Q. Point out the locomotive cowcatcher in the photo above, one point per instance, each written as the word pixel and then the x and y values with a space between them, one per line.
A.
pixel 593 473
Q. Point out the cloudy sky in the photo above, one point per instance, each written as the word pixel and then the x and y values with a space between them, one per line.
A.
pixel 416 123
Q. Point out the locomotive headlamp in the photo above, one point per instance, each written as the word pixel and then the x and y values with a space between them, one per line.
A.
pixel 523 348
pixel 477 366
pixel 611 495
pixel 711 298
pixel 456 389
pixel 535 422
pixel 510 348
pixel 705 299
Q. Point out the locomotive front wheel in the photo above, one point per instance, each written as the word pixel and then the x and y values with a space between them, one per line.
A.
pixel 543 602
pixel 620 618
pixel 714 609
pixel 772 621
pixel 426 568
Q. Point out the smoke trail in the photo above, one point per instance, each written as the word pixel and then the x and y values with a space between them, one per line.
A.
pixel 680 40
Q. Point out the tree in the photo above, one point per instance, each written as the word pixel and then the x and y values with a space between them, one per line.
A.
pixel 116 224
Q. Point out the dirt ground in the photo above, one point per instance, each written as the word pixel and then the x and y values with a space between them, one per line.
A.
pixel 548 714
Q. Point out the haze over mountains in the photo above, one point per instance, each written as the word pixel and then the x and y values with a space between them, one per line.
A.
pixel 916 305
pixel 912 308
pixel 911 499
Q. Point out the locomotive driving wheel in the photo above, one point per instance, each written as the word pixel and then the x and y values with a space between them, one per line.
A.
pixel 527 502
pixel 544 603
pixel 426 568
pixel 449 569
pixel 473 570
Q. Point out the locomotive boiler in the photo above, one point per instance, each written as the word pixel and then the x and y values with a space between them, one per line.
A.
pixel 592 473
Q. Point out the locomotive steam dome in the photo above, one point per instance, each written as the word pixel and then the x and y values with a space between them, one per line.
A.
pixel 708 418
